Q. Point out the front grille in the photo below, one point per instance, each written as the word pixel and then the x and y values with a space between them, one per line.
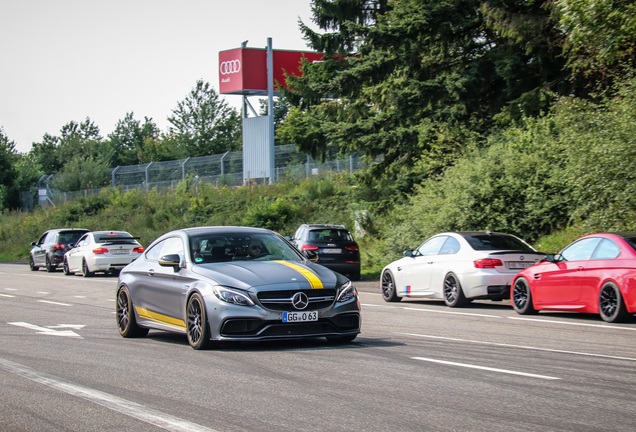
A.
pixel 253 327
pixel 282 300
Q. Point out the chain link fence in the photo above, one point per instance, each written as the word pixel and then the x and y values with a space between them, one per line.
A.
pixel 221 170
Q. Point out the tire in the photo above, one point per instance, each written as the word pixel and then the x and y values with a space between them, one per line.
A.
pixel 197 326
pixel 611 305
pixel 65 268
pixel 387 282
pixel 49 267
pixel 453 292
pixel 85 271
pixel 522 297
pixel 32 265
pixel 126 322
pixel 341 339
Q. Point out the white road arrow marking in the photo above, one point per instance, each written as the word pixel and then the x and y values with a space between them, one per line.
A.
pixel 50 331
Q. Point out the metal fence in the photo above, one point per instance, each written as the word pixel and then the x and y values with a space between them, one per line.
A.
pixel 221 170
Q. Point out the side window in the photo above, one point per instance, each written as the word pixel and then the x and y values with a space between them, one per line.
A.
pixel 607 250
pixel 431 246
pixel 42 239
pixel 172 246
pixel 450 247
pixel 82 241
pixel 581 250
pixel 153 253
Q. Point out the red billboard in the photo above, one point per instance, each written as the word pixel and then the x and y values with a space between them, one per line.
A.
pixel 244 70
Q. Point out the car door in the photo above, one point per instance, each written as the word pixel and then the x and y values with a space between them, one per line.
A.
pixel 448 259
pixel 75 256
pixel 39 252
pixel 161 290
pixel 414 273
pixel 603 264
pixel 560 283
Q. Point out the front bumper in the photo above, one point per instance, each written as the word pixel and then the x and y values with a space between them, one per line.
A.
pixel 253 323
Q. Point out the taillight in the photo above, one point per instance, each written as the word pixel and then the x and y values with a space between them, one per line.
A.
pixel 309 247
pixel 139 249
pixel 58 246
pixel 100 251
pixel 487 263
pixel 352 248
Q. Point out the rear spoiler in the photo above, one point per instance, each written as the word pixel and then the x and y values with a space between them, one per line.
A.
pixel 117 238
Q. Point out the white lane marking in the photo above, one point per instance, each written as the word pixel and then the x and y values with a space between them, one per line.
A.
pixel 11 289
pixel 79 296
pixel 521 347
pixel 604 326
pixel 7 295
pixel 114 403
pixel 111 300
pixel 46 331
pixel 511 372
pixel 43 292
pixel 66 278
pixel 55 303
pixel 574 323
pixel 435 311
pixel 72 326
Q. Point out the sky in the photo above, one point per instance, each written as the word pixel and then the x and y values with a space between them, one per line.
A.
pixel 66 60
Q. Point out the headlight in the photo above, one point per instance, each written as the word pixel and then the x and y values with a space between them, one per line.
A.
pixel 232 296
pixel 347 292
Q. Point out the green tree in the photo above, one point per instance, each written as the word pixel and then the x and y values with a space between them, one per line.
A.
pixel 82 173
pixel 204 124
pixel 126 142
pixel 416 80
pixel 45 154
pixel 601 34
pixel 8 172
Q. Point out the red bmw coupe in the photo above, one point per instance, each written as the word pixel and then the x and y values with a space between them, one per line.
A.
pixel 595 274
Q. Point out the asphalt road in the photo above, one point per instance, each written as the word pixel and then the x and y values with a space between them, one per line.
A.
pixel 416 366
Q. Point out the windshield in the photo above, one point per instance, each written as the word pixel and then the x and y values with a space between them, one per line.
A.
pixel 223 247
pixel 497 242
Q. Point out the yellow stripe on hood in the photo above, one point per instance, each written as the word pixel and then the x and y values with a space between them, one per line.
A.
pixel 313 280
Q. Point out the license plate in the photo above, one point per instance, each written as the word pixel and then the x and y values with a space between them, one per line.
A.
pixel 332 251
pixel 119 251
pixel 520 265
pixel 300 316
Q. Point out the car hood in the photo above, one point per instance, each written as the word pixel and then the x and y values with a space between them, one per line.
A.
pixel 270 275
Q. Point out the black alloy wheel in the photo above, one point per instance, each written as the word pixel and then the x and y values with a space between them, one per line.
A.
pixel 49 268
pixel 453 292
pixel 522 298
pixel 611 305
pixel 85 271
pixel 65 267
pixel 32 265
pixel 126 323
pixel 389 293
pixel 198 330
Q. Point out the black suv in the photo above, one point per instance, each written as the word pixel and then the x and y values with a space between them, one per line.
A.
pixel 50 249
pixel 334 245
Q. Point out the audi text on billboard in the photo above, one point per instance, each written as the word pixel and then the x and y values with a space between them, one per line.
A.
pixel 244 70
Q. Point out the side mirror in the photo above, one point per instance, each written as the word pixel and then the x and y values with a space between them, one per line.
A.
pixel 70 245
pixel 288 238
pixel 553 258
pixel 32 243
pixel 311 255
pixel 172 260
pixel 408 253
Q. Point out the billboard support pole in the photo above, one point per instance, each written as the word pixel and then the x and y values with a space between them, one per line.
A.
pixel 270 106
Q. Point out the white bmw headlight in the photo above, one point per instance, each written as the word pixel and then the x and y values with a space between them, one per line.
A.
pixel 347 292
pixel 233 296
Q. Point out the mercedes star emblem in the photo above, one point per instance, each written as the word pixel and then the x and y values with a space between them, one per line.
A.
pixel 300 300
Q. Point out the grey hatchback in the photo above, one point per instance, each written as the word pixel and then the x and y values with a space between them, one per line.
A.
pixel 49 250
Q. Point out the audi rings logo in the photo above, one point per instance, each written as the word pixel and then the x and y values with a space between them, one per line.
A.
pixel 230 67
pixel 300 300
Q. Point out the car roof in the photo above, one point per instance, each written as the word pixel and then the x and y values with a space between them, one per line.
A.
pixel 476 233
pixel 222 229
pixel 334 226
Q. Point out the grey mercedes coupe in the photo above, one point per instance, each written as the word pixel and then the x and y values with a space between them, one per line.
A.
pixel 233 284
